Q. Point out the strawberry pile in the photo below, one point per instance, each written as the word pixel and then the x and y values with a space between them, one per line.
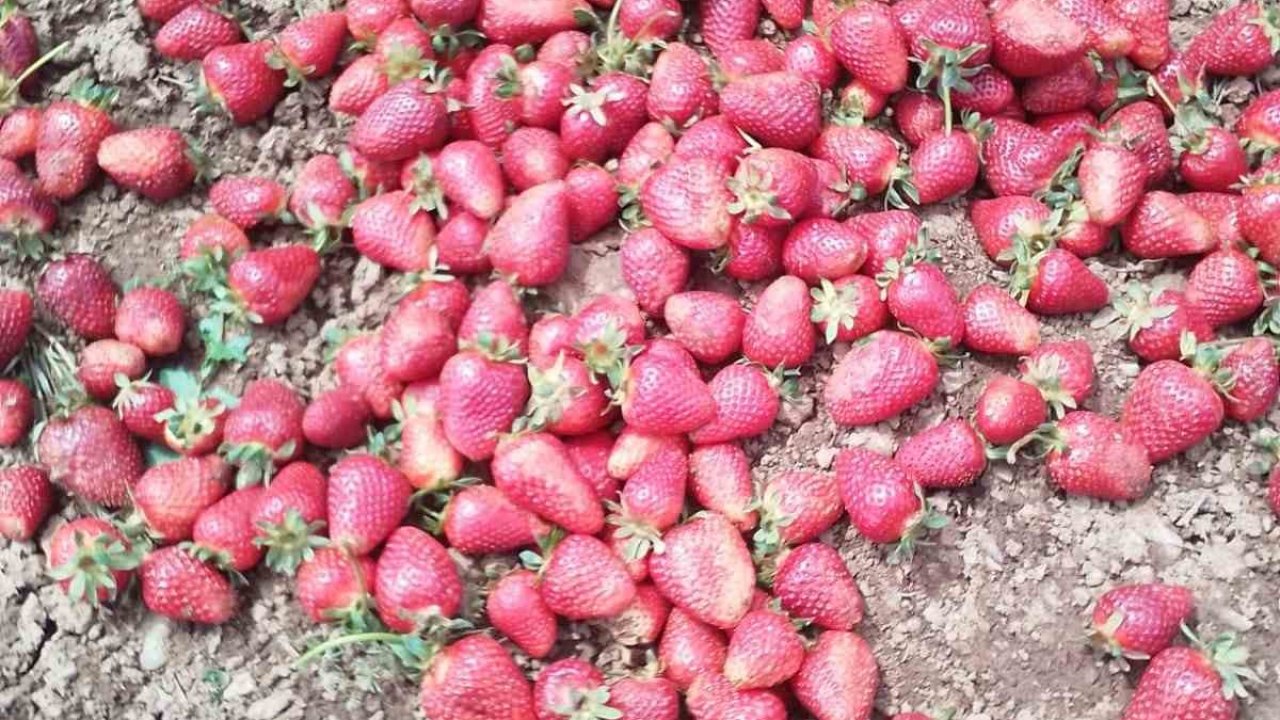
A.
pixel 605 446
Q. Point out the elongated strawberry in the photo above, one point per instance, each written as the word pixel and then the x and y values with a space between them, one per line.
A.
pixel 25 501
pixel 1148 20
pixel 746 401
pixel 530 241
pixel 367 499
pixel 225 532
pixel 92 560
pixel 995 323
pixel 195 32
pixel 360 367
pixel 67 142
pixel 705 569
pixel 1008 410
pixel 535 471
pixel 527 21
pixel 482 394
pixel 839 677
pixel 415 581
pixel 920 296
pixel 482 520
pixel 778 330
pixel 870 45
pixel 1140 621
pixel 392 229
pixel 516 609
pixel 332 586
pixel 272 283
pixel 1170 409
pixel 885 375
pixel 241 81
pixel 155 162
pixel 690 648
pixel 947 455
pixel 178 586
pixel 812 583
pixel 19 132
pixel 290 514
pixel 582 579
pixel 91 454
pixel 1259 207
pixel 171 497
pixel 720 480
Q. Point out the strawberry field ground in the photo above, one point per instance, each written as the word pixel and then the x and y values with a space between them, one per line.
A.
pixel 989 619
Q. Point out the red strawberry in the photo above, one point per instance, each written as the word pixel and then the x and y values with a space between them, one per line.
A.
pixel 867 157
pixel 796 506
pixel 212 232
pixel 947 455
pixel 517 22
pixel 1056 282
pixel 79 292
pixel 359 366
pixel 25 211
pixel 195 32
pixel 944 166
pixel 765 650
pixel 848 309
pixel 321 193
pixel 884 376
pixel 158 10
pixel 271 283
pixel 475 677
pixel 708 324
pixel 1200 681
pixel 917 116
pixel 1225 287
pixel 193 426
pixel 870 45
pixel 1141 621
pixel 680 90
pixel 920 296
pixel 516 609
pixel 292 508
pixel 530 241
pixel 67 142
pixel 359 84
pixel 1004 223
pixel 91 454
pixel 792 119
pixel 650 19
pixel 888 234
pixel 416 342
pixel 460 244
pixel 778 330
pixel 1018 159
pixel 820 248
pixel 1162 226
pixel 15 322
pixel 19 132
pixel 582 579
pixel 712 697
pixel 152 319
pixel 1066 90
pixel 838 679
pixel 415 581
pixel 1008 410
pixel 1157 320
pixel 1259 124
pixel 367 499
pixel 520 469
pixel 642 697
pixel 25 501
pixel 15 412
pixel 533 156
pixel 687 201
pixel 469 175
pixel 690 648
pixel 1140 127
pixel 309 47
pixel 649 149
pixel 663 397
pixel 720 481
pixel 450 297
pixel 1258 210
pixel 226 532
pixel 813 583
pixel 590 454
pixel 724 21
pixel 1213 160
pixel 567 399
pixel 882 498
pixel 653 268
pixel 1061 370
pixel 1071 128
pixel 482 520
pixel 773 187
pixel 651 500
pixel 705 569
pixel 1255 380
pixel 810 57
pixel 170 497
pixel 101 361
pixel 713 138
pixel 495 312
pixel 1148 20
pixel 334 586
pixel 178 586
pixel 154 162
pixel 240 79
pixel 991 93
pixel 570 686
pixel 1170 408
pixel 1237 41
pixel 598 122
pixel 482 395
pixel 1031 38
pixel 426 457
pixel 1111 182
pixel 264 430
pixel 248 200
pixel 393 230
pixel 754 253
pixel 406 120
pixel 543 87
pixel 91 560
pixel 995 323
pixel 491 112
pixel 747 402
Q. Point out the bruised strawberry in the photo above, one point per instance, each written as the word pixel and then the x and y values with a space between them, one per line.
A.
pixel 358 85
pixel 778 330
pixel 321 193
pixel 416 342
pixel 79 292
pixel 154 162
pixel 359 365
pixel 178 586
pixel 747 403
pixel 70 133
pixel 812 583
pixel 884 376
pixel 1019 159
pixel 533 156
pixel 688 202
pixel 15 323
pixel 1140 621
pixel 705 569
pixel 1111 183
pixel 25 501
pixel 720 480
pixel 765 650
pixel 1148 21
pixel 680 90
pixel 264 430
pixel 1004 223
pixel 19 132
pixel 1031 38
pixel 91 454
pixel 248 200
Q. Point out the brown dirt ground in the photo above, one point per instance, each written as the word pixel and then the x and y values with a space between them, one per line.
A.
pixel 987 620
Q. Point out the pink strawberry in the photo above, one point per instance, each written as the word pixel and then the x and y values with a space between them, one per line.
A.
pixel 482 394
pixel 170 497
pixel 1255 380
pixel 15 412
pixel 720 480
pixel 291 510
pixel 332 586
pixel 796 506
pixel 883 499
pixel 705 569
pixel 688 202
pixel 225 530
pixel 778 331
pixel 995 323
pixel 870 45
pixel 708 324
pixel 779 109
pixel 240 80
pixel 530 241
pixel 91 559
pixel 91 454
pixel 920 296
pixel 520 470
pixel 482 520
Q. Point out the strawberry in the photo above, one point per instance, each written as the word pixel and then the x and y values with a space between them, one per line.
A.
pixel 482 394
pixel 460 244
pixel 15 323
pixel 1258 209
pixel 570 686
pixel 1017 158
pixel 248 200
pixel 1157 320
pixel 416 342
pixel 67 142
pixel 888 234
pixel 195 32
pixel 720 481
pixel 644 697
pixel 920 297
pixel 810 57
pixel 590 454
pixel 170 497
pixel 772 187
pixel 839 677
pixel 91 560
pixel 688 202
pixel 820 248
pixel 566 398
pixel 176 585
pixel 358 85
pixel 1066 90
pixel 359 366
pixel 1140 127
pixel 1056 282
pixel 653 268
pixel 765 650
pixel 25 501
pixel 1008 410
pixel 778 331
pixel 1091 456
pixel 451 298
pixel 415 581
pixel 264 430
pixel 713 138
pixel 291 509
pixel 321 194
pixel 240 80
pixel 550 336
pixel 1148 21
pixel 470 176
pixel 516 609
pixel 495 312
pixel 1004 223
pixel 582 579
pixel 19 132
pixel 598 122
pixel 1225 287
pixel 796 506
pixel 1162 226
pixel 870 45
pixel 225 530
pixel 520 469
pixel 651 500
pixel 812 583
pixel 79 292
pixel 712 697
pixel 15 412
pixel 708 324
pixel 690 648
pixel 366 19
pixel 154 162
pixel 26 212
pixel 747 402
pixel 1031 38
pixel 1259 124
pixel 1200 681
pixel 917 116
pixel 649 149
pixel 332 586
pixel 367 499
pixel 996 324
pixel 101 361
pixel 426 458
pixel 152 319
pixel 848 309
pixel 530 241
pixel 526 21
pixel 543 87
pixel 947 455
pixel 404 46
pixel 754 253
pixel 158 10
pixel 882 498
pixel 659 395
pixel 1238 41
pixel 780 109
pixel 1070 128
pixel 492 113
pixel 705 569
pixel 211 232
pixel 406 120
pixel 91 454
pixel 1105 33
pixel 944 165
pixel 754 56
pixel 482 520
pixel 1213 160
pixel 309 47
pixel 1255 380
pixel 193 426
pixel 533 156
pixel 1141 621
pixel 867 157
pixel 271 283
pixel 1170 408
pixel 1061 370
pixel 724 21
pixel 393 230
pixel 1111 183
pixel 650 19
pixel 882 377
pixel 475 677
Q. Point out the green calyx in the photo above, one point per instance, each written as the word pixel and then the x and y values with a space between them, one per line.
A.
pixel 90 572
pixel 918 527
pixel 550 394
pixel 1046 375
pixel 255 461
pixel 754 196
pixel 590 704
pixel 290 542
pixel 945 69
pixel 608 355
pixel 640 539
pixel 1229 659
